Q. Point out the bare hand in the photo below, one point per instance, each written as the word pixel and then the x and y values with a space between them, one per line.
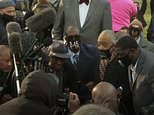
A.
pixel 73 102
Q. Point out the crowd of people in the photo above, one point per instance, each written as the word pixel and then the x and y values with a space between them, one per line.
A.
pixel 62 57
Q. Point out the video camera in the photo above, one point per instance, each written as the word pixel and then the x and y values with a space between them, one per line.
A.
pixel 62 103
pixel 62 100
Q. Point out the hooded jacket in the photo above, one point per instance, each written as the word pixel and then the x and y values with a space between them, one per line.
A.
pixel 144 43
pixel 37 95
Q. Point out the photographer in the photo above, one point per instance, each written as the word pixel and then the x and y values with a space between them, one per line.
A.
pixel 57 55
pixel 37 96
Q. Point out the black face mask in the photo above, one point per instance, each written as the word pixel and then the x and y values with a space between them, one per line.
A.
pixel 105 54
pixel 8 18
pixel 125 61
pixel 134 32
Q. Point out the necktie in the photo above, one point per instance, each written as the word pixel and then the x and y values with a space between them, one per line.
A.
pixel 84 1
pixel 76 58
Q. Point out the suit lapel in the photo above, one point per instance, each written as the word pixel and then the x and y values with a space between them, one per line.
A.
pixel 139 68
pixel 92 8
pixel 142 44
pixel 75 11
pixel 137 75
pixel 130 77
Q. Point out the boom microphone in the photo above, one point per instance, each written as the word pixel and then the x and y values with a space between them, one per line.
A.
pixel 26 38
pixel 13 27
pixel 14 40
pixel 42 20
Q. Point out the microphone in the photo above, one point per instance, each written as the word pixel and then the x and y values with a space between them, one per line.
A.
pixel 14 40
pixel 13 27
pixel 25 38
pixel 42 20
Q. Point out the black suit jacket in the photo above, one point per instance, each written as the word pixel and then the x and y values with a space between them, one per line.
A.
pixel 118 76
pixel 75 78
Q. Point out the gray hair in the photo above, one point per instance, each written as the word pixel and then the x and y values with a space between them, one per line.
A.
pixel 111 34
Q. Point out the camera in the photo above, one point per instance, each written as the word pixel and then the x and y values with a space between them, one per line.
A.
pixel 62 100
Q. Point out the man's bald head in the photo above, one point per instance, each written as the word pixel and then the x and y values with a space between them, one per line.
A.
pixel 105 94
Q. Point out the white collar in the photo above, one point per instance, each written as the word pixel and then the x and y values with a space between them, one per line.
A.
pixel 133 68
pixel 138 40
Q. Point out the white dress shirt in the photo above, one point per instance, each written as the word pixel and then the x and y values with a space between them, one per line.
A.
pixel 83 11
pixel 138 40
pixel 133 72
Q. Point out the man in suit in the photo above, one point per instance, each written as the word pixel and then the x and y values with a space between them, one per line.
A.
pixel 111 71
pixel 140 65
pixel 90 16
pixel 81 70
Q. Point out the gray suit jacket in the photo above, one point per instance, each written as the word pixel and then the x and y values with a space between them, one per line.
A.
pixel 143 86
pixel 145 44
pixel 98 19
